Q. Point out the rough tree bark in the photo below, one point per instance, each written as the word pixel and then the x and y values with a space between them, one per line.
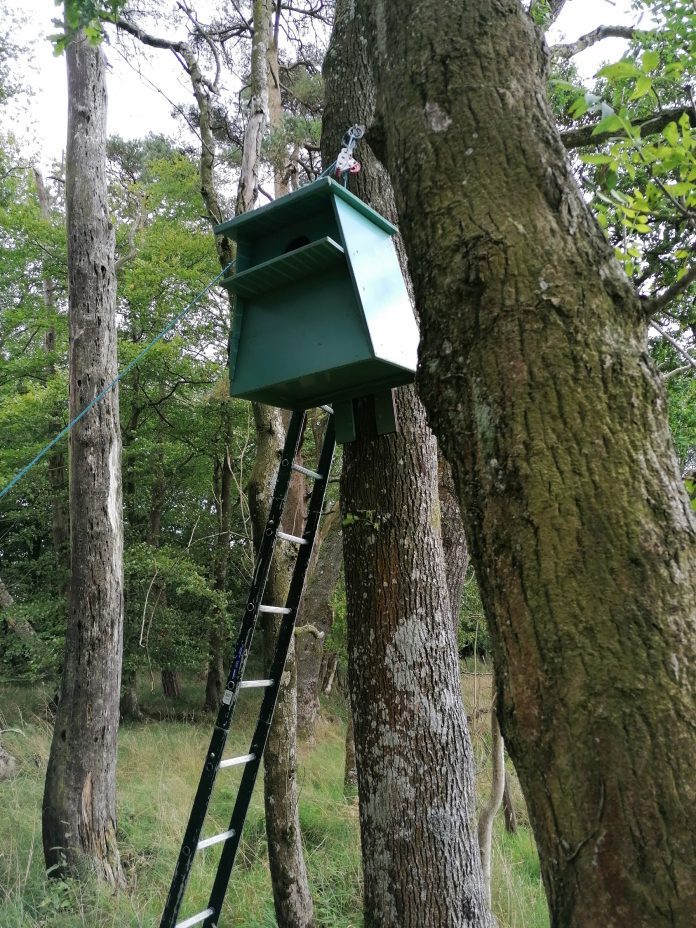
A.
pixel 490 809
pixel 79 805
pixel 317 614
pixel 539 385
pixel 224 480
pixel 509 807
pixel 60 523
pixel 171 684
pixel 414 761
pixel 350 770
pixel 453 538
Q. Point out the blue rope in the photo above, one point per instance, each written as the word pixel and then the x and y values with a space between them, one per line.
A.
pixel 327 171
pixel 100 396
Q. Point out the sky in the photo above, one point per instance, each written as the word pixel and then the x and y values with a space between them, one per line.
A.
pixel 139 105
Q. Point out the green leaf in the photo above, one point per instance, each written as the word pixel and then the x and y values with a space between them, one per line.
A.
pixel 643 86
pixel 596 159
pixel 578 107
pixel 685 123
pixel 608 124
pixel 650 60
pixel 671 133
pixel 619 70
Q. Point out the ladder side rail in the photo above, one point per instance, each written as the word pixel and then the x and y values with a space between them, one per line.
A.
pixel 229 701
pixel 268 704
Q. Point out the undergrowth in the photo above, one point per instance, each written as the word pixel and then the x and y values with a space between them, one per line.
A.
pixel 158 768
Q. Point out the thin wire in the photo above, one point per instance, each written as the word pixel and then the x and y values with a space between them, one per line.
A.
pixel 100 396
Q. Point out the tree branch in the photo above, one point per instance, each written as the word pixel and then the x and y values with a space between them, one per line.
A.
pixel 655 304
pixel 212 87
pixel 136 226
pixel 567 50
pixel 151 40
pixel 676 372
pixel 581 137
pixel 675 344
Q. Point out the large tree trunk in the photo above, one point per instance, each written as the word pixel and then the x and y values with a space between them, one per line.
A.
pixel 79 806
pixel 257 120
pixel 317 618
pixel 536 375
pixel 130 704
pixel 60 524
pixel 414 759
pixel 171 684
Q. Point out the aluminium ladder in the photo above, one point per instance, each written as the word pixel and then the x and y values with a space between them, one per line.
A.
pixel 251 761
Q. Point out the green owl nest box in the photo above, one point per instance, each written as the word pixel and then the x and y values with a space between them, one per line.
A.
pixel 322 313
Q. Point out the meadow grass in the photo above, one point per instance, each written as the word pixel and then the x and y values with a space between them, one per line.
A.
pixel 158 768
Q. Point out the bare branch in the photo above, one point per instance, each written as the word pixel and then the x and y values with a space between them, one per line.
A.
pixel 309 629
pixel 675 344
pixel 312 13
pixel 213 87
pixel 567 50
pixel 676 372
pixel 147 39
pixel 247 22
pixel 655 304
pixel 136 226
pixel 582 136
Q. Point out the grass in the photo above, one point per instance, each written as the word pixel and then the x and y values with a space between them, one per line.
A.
pixel 158 768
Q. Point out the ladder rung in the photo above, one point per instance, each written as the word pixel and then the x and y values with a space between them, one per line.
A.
pixel 195 919
pixel 233 761
pixel 286 537
pixel 307 472
pixel 276 610
pixel 216 839
pixel 249 684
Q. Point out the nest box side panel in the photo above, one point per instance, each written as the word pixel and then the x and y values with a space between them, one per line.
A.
pixel 379 287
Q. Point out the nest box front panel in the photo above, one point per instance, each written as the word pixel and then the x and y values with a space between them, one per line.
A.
pixel 291 340
pixel 295 234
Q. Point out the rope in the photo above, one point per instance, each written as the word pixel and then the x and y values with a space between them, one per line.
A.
pixel 100 396
pixel 327 171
